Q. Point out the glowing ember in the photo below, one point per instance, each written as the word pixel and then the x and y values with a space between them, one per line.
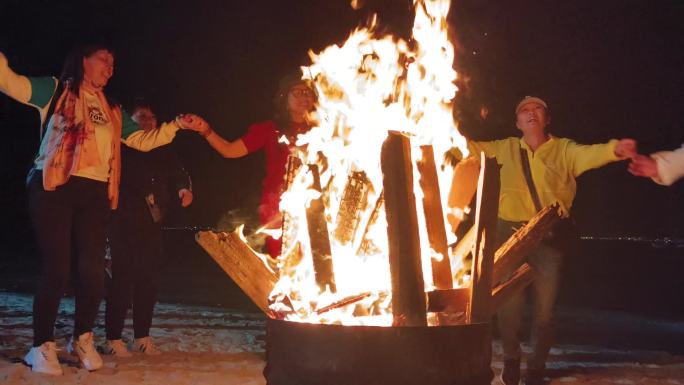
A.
pixel 367 87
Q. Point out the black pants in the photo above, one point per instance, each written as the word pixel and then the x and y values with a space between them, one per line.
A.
pixel 135 243
pixel 70 219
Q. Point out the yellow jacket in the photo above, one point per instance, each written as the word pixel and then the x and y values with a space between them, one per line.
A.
pixel 554 165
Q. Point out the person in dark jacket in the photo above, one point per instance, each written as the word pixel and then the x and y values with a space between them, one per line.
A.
pixel 148 180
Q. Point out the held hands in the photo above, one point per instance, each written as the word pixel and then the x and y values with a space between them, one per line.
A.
pixel 189 121
pixel 185 196
pixel 642 165
pixel 626 148
pixel 194 123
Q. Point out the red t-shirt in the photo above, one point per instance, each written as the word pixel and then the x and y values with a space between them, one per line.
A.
pixel 265 135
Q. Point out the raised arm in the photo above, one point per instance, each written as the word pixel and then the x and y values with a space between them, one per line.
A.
pixel 135 137
pixel 586 157
pixel 17 87
pixel 33 91
pixel 490 148
pixel 227 149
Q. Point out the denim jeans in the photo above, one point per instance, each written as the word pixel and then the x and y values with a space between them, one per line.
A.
pixel 546 261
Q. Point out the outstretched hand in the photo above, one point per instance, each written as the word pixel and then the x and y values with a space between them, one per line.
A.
pixel 626 148
pixel 642 165
pixel 192 122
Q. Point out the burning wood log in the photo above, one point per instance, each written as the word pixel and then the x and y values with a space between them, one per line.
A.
pixel 485 238
pixel 518 281
pixel 408 288
pixel 344 302
pixel 509 255
pixel 289 227
pixel 318 235
pixel 353 202
pixel 241 263
pixel 512 252
pixel 449 301
pixel 366 246
pixel 434 219
pixel 463 188
pixel 463 248
pixel 457 300
pixel 293 166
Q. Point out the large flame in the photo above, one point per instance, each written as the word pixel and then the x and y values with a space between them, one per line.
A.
pixel 366 87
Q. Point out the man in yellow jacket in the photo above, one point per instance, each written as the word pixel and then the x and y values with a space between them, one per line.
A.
pixel 554 163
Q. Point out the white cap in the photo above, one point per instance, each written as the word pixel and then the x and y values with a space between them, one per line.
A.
pixel 530 99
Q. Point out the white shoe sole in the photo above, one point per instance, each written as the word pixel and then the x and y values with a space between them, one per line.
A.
pixel 55 372
pixel 82 363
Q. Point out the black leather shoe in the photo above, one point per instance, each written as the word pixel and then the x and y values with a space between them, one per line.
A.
pixel 511 372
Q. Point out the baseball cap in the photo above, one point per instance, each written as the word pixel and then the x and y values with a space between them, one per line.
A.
pixel 530 99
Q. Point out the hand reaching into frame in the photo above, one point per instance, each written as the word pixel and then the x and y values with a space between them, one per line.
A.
pixel 645 166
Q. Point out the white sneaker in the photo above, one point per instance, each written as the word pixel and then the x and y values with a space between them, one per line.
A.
pixel 43 359
pixel 116 348
pixel 145 345
pixel 84 348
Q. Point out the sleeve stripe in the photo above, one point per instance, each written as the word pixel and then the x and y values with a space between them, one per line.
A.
pixel 42 89
pixel 128 125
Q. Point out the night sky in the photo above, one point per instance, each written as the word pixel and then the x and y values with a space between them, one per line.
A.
pixel 607 69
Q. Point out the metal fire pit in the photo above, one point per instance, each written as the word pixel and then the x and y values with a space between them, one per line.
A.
pixel 313 354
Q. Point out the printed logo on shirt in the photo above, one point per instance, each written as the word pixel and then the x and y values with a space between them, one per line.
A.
pixel 96 115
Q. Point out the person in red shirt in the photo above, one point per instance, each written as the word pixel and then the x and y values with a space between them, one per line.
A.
pixel 293 101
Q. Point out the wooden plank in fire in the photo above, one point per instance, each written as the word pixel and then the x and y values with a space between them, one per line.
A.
pixel 507 257
pixel 460 264
pixel 485 241
pixel 503 292
pixel 366 246
pixel 434 219
pixel 353 202
pixel 241 263
pixel 463 188
pixel 512 253
pixel 448 301
pixel 408 287
pixel 289 227
pixel 318 235
pixel 344 302
pixel 457 300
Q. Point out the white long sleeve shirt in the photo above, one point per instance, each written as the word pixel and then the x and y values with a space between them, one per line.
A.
pixel 670 166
